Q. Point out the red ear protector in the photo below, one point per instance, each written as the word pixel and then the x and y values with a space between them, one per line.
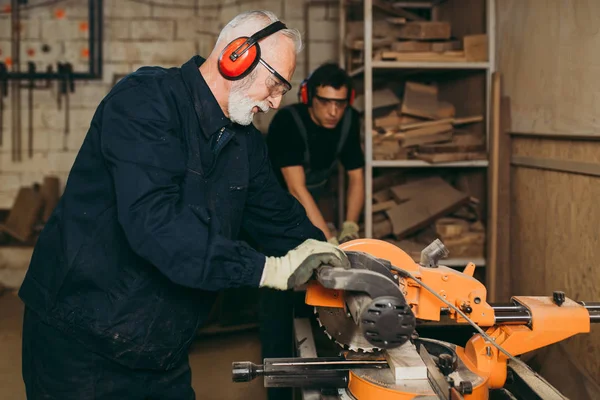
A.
pixel 241 55
pixel 305 95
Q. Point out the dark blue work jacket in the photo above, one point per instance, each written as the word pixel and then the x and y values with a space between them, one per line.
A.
pixel 146 230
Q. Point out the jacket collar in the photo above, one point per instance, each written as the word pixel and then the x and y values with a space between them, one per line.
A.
pixel 210 116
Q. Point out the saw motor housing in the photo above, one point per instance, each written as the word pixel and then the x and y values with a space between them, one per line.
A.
pixel 387 316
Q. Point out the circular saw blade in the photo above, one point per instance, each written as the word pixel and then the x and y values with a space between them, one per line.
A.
pixel 341 328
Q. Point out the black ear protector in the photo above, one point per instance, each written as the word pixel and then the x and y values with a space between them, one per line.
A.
pixel 242 54
pixel 305 92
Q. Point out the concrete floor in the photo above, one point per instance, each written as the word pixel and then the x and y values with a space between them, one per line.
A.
pixel 210 359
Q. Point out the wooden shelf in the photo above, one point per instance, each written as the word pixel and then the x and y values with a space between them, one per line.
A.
pixel 419 163
pixel 430 65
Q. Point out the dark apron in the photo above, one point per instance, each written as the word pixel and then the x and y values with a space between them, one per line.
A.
pixel 316 180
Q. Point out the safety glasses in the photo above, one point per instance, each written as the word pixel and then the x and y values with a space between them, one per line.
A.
pixel 279 86
pixel 339 103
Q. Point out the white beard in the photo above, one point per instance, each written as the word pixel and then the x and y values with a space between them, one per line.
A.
pixel 240 106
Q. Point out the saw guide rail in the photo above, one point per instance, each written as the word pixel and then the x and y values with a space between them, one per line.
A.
pixel 373 309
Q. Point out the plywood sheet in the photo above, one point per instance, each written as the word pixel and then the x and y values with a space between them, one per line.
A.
pixel 548 54
pixel 554 234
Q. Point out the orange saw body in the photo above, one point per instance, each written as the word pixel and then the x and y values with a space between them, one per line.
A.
pixel 372 311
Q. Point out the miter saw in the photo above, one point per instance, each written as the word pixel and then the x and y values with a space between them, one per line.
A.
pixel 372 309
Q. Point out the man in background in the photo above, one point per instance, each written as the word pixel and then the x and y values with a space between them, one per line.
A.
pixel 306 140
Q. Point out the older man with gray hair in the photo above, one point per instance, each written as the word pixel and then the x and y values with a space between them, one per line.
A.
pixel 147 230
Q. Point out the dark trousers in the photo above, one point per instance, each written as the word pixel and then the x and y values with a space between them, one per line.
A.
pixel 276 312
pixel 57 367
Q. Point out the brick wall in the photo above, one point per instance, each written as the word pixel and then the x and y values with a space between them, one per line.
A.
pixel 135 33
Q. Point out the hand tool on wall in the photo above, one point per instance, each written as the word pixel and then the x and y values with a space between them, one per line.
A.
pixel 3 93
pixel 31 85
pixel 68 87
pixel 373 311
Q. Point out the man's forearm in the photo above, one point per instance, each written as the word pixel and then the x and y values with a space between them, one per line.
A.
pixel 355 199
pixel 312 210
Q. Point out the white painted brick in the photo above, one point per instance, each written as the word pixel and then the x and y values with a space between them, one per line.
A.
pixel 74 9
pixel 30 28
pixel 5 27
pixel 295 10
pixel 152 29
pixel 79 119
pixel 165 54
pixel 275 6
pixel 61 161
pixel 47 162
pixel 88 95
pixel 228 12
pixel 150 53
pixel 55 53
pixel 6 202
pixel 39 162
pixel 320 52
pixel 12 278
pixel 63 29
pixel 175 9
pixel 122 9
pixel 115 29
pixel 197 28
pixel 76 52
pixel 29 178
pixel 42 60
pixel 111 73
pixel 209 8
pixel 120 52
pixel 323 30
pixel 10 181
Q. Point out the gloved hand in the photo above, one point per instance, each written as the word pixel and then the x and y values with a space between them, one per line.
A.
pixel 333 240
pixel 297 266
pixel 349 232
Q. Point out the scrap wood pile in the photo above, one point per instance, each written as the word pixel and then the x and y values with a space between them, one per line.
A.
pixel 400 35
pixel 421 126
pixel 413 214
pixel 31 209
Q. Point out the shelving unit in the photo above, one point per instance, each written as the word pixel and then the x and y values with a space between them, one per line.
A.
pixel 372 66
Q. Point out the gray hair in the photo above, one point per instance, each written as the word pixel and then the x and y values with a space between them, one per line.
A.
pixel 253 18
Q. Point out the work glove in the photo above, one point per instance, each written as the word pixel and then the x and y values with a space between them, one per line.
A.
pixel 349 232
pixel 297 266
pixel 333 240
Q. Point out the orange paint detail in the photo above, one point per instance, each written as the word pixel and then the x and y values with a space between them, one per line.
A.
pixel 59 13
pixel 8 61
pixel 317 295
pixel 30 52
pixel 85 52
pixel 84 26
pixel 365 390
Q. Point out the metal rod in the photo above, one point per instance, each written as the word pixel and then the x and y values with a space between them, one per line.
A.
pixel 519 315
pixel 591 305
pixel 501 308
pixel 16 92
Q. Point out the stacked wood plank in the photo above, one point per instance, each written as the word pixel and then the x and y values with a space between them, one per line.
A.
pixel 399 39
pixel 421 126
pixel 415 213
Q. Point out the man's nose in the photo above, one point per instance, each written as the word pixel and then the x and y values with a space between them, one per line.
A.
pixel 333 109
pixel 274 102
